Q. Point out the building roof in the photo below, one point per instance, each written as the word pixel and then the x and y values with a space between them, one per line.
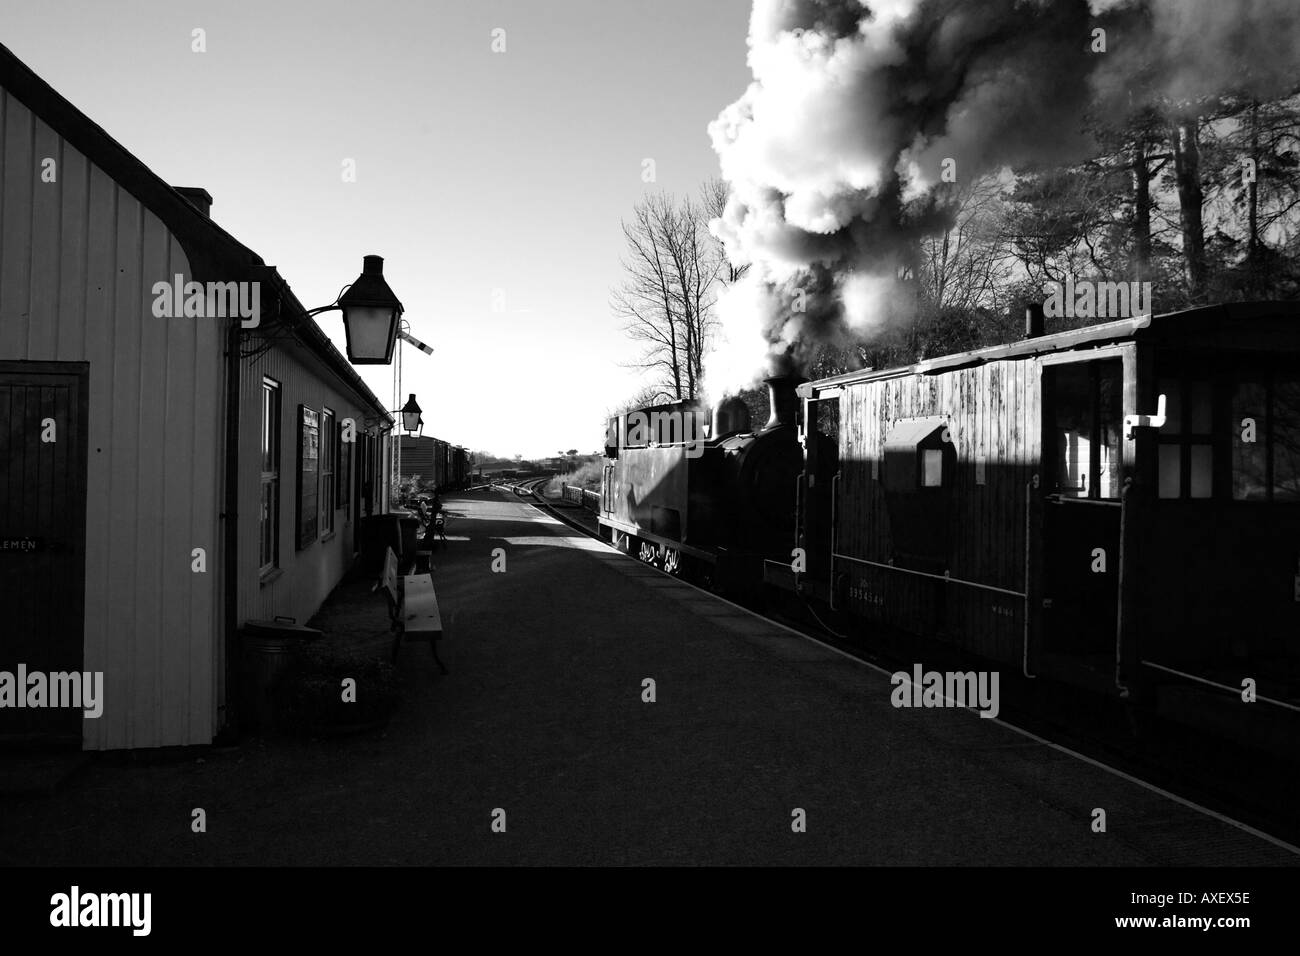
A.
pixel 213 253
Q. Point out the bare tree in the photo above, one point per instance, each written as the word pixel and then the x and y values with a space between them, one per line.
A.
pixel 673 269
pixel 649 395
pixel 713 195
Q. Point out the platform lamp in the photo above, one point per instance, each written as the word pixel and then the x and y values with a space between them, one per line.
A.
pixel 412 420
pixel 371 313
pixel 413 424
pixel 370 316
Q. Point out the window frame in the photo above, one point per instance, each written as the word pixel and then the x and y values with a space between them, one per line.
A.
pixel 1185 374
pixel 1051 364
pixel 308 524
pixel 1266 374
pixel 325 471
pixel 271 432
pixel 343 473
pixel 1224 373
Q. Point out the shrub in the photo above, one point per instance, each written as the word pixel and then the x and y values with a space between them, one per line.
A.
pixel 587 475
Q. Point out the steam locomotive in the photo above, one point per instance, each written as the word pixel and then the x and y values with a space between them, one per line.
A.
pixel 1115 508
pixel 709 498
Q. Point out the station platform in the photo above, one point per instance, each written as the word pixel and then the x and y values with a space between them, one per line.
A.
pixel 751 721
pixel 542 716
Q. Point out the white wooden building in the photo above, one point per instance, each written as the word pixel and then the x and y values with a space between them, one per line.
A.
pixel 120 551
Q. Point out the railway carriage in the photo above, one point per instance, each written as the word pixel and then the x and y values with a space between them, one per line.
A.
pixel 457 467
pixel 439 464
pixel 1116 506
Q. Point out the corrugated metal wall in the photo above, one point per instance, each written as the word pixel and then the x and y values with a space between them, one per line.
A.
pixel 78 258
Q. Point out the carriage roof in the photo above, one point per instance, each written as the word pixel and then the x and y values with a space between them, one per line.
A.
pixel 1235 325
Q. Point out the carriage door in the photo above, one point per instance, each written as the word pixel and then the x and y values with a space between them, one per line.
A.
pixel 1083 404
pixel 42 536
pixel 607 471
pixel 816 508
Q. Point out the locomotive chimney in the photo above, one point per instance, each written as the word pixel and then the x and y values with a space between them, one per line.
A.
pixel 783 399
pixel 1033 320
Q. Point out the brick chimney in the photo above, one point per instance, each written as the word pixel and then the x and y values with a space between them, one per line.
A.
pixel 198 197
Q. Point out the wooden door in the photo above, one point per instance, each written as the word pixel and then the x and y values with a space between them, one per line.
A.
pixel 42 536
pixel 1083 461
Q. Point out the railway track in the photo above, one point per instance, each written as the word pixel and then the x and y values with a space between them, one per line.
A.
pixel 527 487
pixel 1203 791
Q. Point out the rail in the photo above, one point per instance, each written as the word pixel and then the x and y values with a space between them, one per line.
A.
pixel 925 574
pixel 1228 688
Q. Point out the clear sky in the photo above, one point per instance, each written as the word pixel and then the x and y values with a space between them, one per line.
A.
pixel 476 171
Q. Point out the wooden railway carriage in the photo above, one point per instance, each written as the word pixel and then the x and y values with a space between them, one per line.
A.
pixel 1026 503
pixel 439 464
pixel 458 468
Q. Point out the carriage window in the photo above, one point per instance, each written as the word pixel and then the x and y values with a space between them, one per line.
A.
pixel 932 465
pixel 611 438
pixel 1250 444
pixel 1171 471
pixel 1086 402
pixel 1266 439
pixel 1186 459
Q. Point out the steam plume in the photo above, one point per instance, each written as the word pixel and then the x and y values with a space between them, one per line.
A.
pixel 834 150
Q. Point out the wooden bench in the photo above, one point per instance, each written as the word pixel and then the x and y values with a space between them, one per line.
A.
pixel 413 611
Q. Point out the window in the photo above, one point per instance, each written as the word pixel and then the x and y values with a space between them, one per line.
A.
pixel 343 476
pixel 365 474
pixel 1085 408
pixel 932 464
pixel 269 520
pixel 308 474
pixel 611 438
pixel 1265 445
pixel 1186 456
pixel 328 438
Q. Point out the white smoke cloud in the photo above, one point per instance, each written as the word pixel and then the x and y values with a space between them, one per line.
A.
pixel 834 149
pixel 866 300
pixel 742 348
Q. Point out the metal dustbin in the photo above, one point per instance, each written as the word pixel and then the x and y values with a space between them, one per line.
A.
pixel 379 532
pixel 267 648
pixel 410 534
